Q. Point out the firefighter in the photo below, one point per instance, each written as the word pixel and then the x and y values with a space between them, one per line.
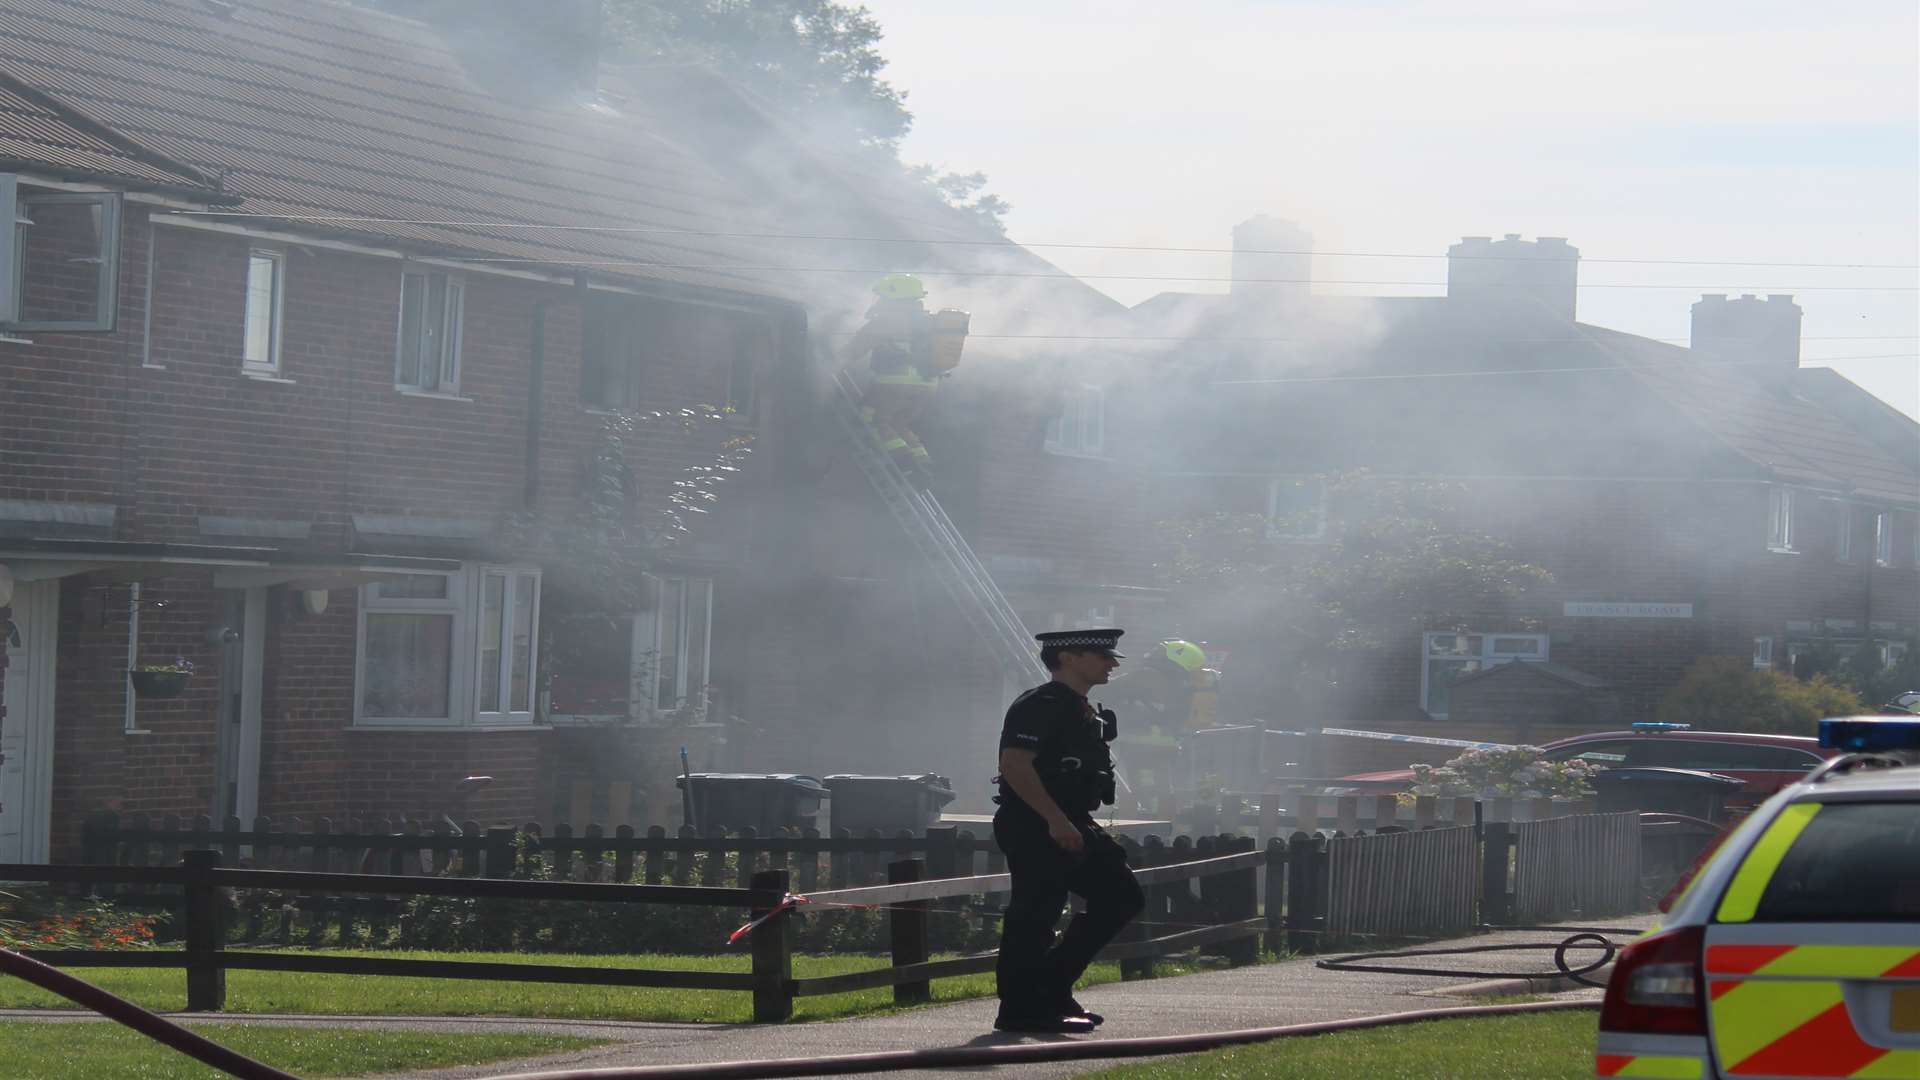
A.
pixel 907 350
pixel 1173 687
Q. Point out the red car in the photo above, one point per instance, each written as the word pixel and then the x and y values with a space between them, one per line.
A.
pixel 1766 762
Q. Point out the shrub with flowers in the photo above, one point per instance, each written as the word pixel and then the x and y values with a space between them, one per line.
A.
pixel 1516 772
pixel 98 926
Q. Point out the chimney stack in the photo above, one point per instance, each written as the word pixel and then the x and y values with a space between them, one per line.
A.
pixel 1522 279
pixel 1271 261
pixel 1764 333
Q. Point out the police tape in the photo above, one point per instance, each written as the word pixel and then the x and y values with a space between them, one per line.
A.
pixel 1423 740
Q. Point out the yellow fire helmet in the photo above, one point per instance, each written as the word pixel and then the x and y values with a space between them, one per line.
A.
pixel 1186 654
pixel 899 287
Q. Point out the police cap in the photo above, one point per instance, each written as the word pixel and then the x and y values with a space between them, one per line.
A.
pixel 1100 641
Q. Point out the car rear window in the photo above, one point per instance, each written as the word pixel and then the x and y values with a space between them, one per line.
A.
pixel 1854 862
pixel 1692 754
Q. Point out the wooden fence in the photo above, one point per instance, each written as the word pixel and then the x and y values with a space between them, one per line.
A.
pixel 205 887
pixel 1586 867
pixel 1401 884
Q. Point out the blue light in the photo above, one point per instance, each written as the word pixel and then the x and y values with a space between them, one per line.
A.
pixel 1660 725
pixel 1863 734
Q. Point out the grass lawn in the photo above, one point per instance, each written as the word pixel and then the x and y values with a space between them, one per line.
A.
pixel 40 1051
pixel 1547 1046
pixel 366 995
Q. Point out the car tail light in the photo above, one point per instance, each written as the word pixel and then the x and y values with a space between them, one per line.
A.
pixel 1658 987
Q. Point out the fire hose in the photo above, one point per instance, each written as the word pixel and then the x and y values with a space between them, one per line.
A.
pixel 153 1026
pixel 1581 937
pixel 211 1053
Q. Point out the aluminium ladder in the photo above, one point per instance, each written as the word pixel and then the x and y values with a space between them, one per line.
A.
pixel 946 552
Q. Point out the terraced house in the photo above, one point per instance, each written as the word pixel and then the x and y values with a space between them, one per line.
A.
pixel 291 393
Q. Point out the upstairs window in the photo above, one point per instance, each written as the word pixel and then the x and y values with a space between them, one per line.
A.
pixel 59 267
pixel 266 286
pixel 429 351
pixel 1843 536
pixel 1081 428
pixel 1883 539
pixel 1780 523
pixel 1296 508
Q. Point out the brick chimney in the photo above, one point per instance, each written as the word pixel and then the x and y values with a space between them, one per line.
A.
pixel 1515 278
pixel 1750 330
pixel 1271 264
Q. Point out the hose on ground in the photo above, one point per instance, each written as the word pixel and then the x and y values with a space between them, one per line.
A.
pixel 975 1057
pixel 1582 938
pixel 154 1027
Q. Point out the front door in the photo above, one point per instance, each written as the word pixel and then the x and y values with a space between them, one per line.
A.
pixel 237 786
pixel 26 723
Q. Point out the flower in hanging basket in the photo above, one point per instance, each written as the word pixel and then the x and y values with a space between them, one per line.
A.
pixel 162 680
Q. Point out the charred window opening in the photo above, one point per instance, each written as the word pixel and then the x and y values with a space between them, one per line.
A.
pixel 638 351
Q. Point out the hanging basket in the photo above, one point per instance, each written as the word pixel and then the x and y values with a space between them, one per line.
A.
pixel 159 684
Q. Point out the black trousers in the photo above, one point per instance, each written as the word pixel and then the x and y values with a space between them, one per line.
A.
pixel 1036 972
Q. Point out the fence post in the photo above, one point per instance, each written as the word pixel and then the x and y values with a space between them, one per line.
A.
pixel 772 954
pixel 1305 905
pixel 907 925
pixel 206 979
pixel 1244 903
pixel 499 852
pixel 1496 838
pixel 1276 891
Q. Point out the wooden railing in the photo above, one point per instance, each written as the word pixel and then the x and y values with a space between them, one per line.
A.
pixel 205 886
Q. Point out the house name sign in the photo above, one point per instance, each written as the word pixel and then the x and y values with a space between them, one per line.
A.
pixel 1599 609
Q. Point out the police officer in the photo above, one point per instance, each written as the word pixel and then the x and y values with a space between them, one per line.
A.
pixel 1055 771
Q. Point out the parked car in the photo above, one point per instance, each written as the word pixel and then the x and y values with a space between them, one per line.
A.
pixel 1796 948
pixel 1766 763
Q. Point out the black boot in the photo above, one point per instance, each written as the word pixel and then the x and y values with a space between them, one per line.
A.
pixel 1043 1024
pixel 1072 1007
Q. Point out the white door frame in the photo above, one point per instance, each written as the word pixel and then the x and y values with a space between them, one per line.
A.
pixel 29 719
pixel 253 650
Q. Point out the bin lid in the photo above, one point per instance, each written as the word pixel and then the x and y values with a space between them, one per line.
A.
pixel 1655 774
pixel 781 779
pixel 931 780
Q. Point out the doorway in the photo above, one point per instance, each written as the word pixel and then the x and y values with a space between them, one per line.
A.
pixel 26 723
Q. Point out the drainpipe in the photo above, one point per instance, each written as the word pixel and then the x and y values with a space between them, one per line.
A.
pixel 537 382
pixel 536 400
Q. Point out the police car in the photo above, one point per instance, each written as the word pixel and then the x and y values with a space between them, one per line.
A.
pixel 1795 951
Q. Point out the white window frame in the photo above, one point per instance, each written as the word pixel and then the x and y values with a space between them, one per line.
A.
pixel 270 364
pixel 1780 530
pixel 506 713
pixel 1843 540
pixel 464 603
pixel 647 633
pixel 1883 538
pixel 1318 528
pixel 1763 654
pixel 452 318
pixel 1488 656
pixel 1086 407
pixel 13 253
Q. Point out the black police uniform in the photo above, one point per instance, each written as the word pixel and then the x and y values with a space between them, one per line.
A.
pixel 1036 973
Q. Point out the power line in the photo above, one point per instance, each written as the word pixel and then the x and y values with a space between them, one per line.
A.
pixel 1516 371
pixel 735 268
pixel 1322 340
pixel 721 234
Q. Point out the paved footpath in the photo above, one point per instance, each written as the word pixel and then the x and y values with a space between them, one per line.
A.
pixel 1293 992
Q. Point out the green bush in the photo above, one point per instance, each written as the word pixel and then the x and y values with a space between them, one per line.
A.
pixel 1725 693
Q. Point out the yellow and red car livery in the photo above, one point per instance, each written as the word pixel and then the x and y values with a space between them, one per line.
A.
pixel 1795 951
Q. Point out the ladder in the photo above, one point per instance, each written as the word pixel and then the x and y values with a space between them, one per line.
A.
pixel 946 552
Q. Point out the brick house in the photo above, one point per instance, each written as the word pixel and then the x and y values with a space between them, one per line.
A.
pixel 286 379
pixel 1715 500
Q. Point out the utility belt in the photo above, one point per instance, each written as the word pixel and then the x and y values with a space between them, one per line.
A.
pixel 1078 783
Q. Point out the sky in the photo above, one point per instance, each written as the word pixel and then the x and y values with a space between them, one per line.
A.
pixel 1706 132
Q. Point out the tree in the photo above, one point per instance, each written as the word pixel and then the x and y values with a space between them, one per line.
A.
pixel 1727 693
pixel 1314 600
pixel 1863 668
pixel 819 59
